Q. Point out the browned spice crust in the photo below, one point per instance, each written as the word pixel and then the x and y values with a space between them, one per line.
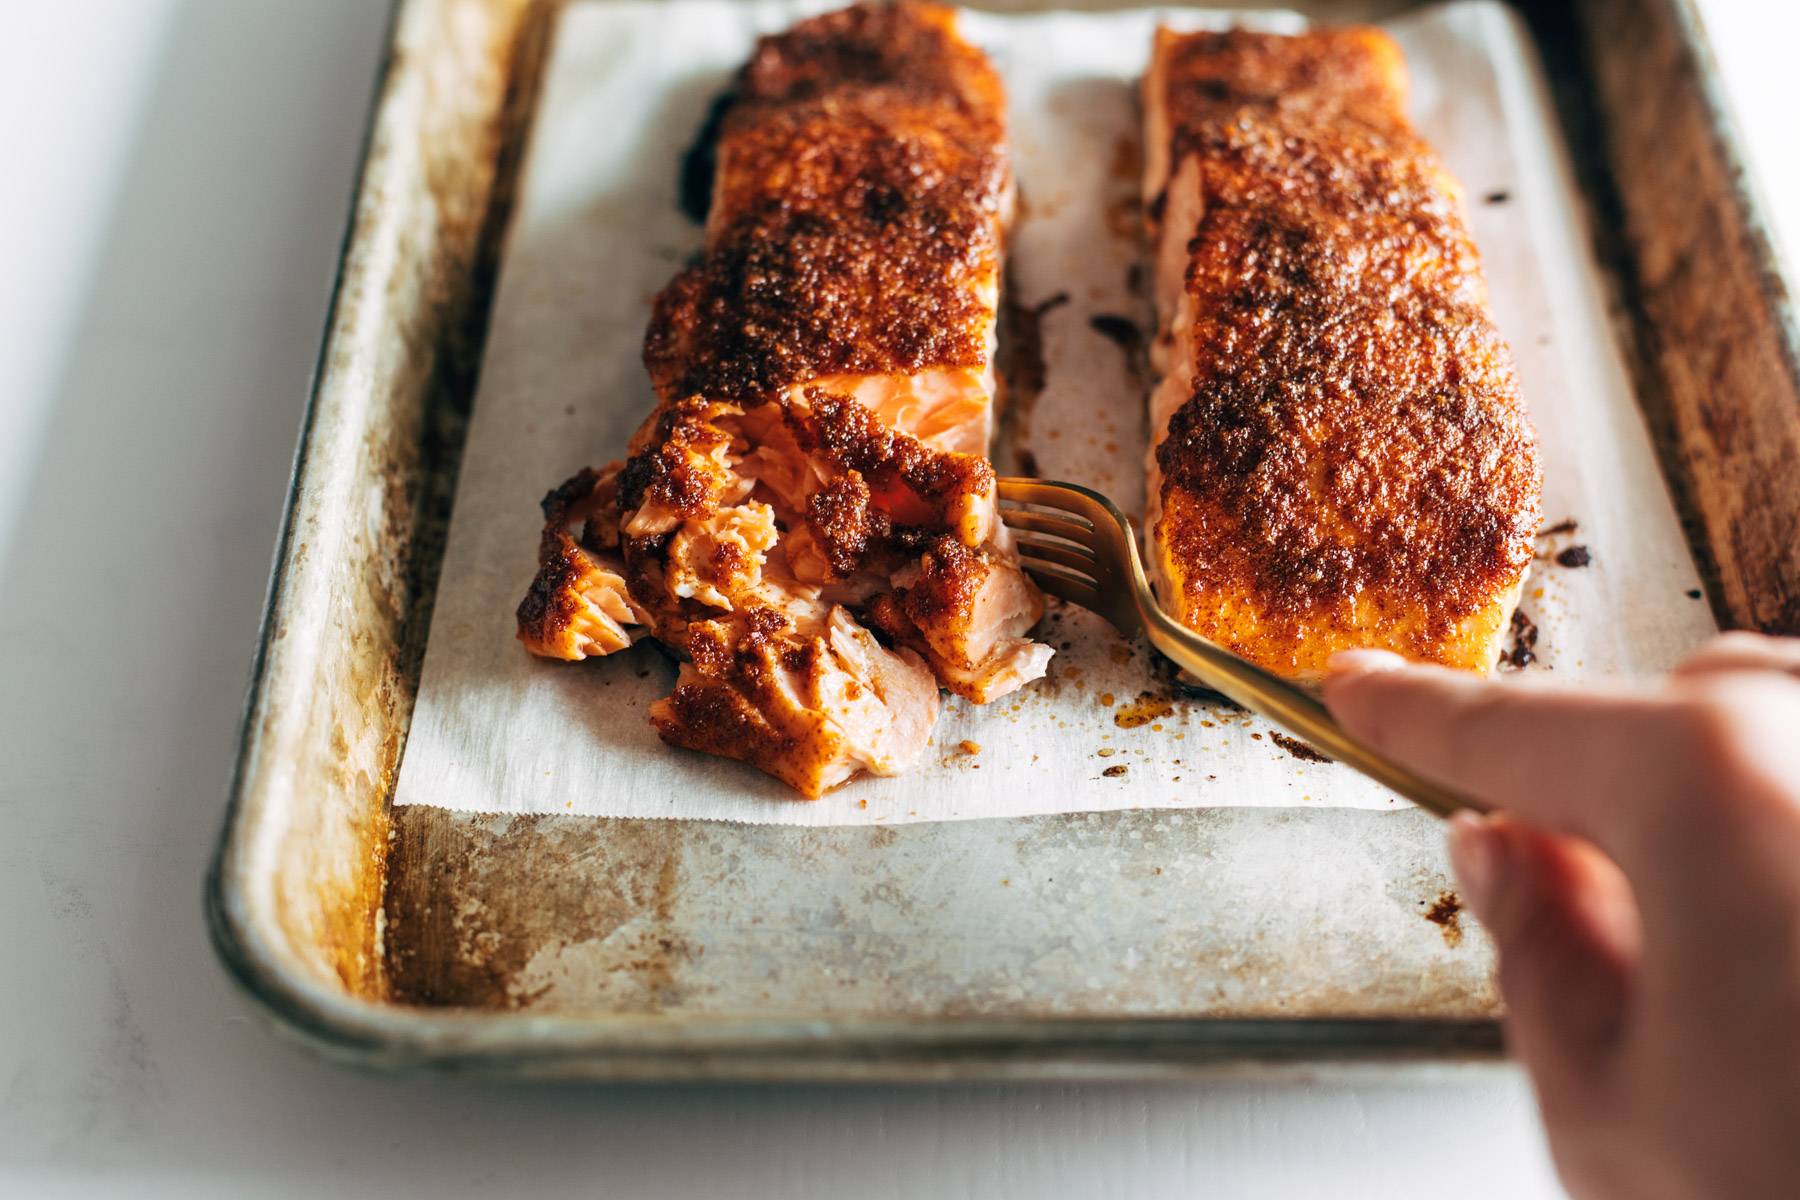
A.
pixel 861 175
pixel 1355 432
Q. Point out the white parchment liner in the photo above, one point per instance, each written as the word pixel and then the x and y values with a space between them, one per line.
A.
pixel 598 231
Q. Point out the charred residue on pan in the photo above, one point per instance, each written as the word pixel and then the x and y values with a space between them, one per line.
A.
pixel 1446 913
pixel 1024 369
pixel 1576 555
pixel 463 932
pixel 1573 556
pixel 1128 336
pixel 701 159
pixel 1122 332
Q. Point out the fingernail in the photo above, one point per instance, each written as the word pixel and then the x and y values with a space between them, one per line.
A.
pixel 1477 853
pixel 1357 662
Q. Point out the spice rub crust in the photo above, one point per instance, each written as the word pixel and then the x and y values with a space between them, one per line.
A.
pixel 1352 463
pixel 857 210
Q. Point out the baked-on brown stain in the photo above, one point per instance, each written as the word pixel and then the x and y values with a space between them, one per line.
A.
pixel 1023 367
pixel 1354 460
pixel 461 931
pixel 1446 913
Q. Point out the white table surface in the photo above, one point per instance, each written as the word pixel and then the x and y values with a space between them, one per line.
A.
pixel 172 196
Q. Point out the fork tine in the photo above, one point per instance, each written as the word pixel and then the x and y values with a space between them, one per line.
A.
pixel 1082 560
pixel 1071 509
pixel 1018 518
pixel 1064 585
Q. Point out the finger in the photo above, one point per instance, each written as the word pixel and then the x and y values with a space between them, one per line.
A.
pixel 1742 651
pixel 1567 930
pixel 1586 763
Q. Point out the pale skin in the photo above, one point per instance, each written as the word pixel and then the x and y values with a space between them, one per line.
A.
pixel 1643 889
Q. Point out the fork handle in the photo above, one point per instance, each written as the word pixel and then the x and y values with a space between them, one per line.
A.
pixel 1297 712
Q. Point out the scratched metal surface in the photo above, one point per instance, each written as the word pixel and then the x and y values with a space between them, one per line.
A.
pixel 1125 943
pixel 1232 912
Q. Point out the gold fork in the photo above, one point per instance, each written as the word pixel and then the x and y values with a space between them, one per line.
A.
pixel 1086 552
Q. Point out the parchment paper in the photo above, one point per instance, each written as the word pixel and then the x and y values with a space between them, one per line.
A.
pixel 598 231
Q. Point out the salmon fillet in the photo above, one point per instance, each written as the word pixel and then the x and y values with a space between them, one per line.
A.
pixel 808 518
pixel 1341 457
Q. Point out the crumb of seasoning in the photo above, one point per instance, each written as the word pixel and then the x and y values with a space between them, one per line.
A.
pixel 1297 748
pixel 862 804
pixel 1145 709
pixel 1566 525
pixel 1114 772
pixel 1523 651
pixel 1006 883
pixel 1574 556
pixel 968 747
pixel 1693 593
pixel 1499 197
pixel 1106 698
pixel 1106 752
pixel 1446 913
pixel 1257 736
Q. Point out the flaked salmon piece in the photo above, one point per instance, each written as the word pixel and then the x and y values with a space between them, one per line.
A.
pixel 1341 456
pixel 579 605
pixel 826 384
pixel 857 514
pixel 718 559
pixel 967 611
pixel 813 712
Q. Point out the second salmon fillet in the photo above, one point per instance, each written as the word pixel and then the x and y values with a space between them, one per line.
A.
pixel 1341 457
pixel 807 518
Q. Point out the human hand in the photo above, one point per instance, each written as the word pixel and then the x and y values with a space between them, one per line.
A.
pixel 1643 889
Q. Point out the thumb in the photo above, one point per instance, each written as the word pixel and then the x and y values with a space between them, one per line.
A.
pixel 1562 917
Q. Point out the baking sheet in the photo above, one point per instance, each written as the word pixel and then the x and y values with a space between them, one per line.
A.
pixel 598 231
